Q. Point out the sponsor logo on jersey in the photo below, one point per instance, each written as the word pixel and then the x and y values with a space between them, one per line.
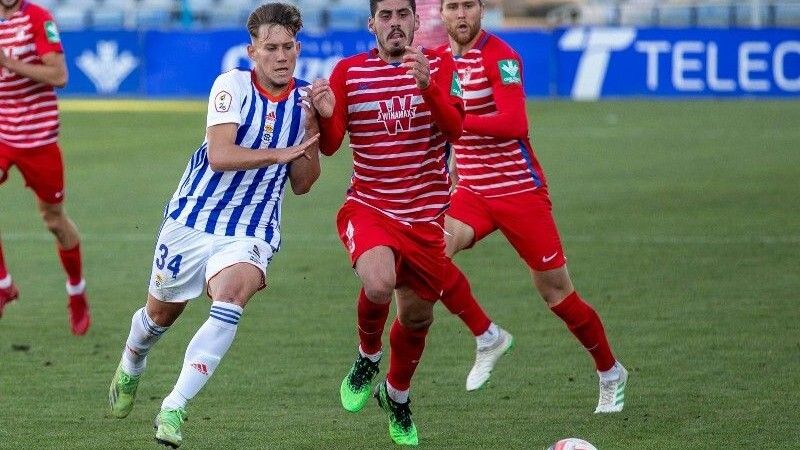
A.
pixel 455 86
pixel 509 71
pixel 222 102
pixel 396 114
pixel 51 32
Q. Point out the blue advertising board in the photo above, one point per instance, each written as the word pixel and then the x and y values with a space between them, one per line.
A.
pixel 582 63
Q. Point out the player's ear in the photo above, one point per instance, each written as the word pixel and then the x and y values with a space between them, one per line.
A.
pixel 416 21
pixel 251 51
pixel 299 47
pixel 371 25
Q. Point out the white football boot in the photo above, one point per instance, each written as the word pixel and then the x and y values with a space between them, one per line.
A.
pixel 486 358
pixel 612 393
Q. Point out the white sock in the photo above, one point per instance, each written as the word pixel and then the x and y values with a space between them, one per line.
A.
pixel 144 334
pixel 76 289
pixel 488 337
pixel 611 374
pixel 204 353
pixel 396 394
pixel 5 282
pixel 374 357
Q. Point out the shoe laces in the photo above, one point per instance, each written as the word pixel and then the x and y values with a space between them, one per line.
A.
pixel 401 413
pixel 174 417
pixel 363 372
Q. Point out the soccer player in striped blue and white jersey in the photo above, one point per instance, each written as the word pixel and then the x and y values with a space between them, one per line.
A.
pixel 222 226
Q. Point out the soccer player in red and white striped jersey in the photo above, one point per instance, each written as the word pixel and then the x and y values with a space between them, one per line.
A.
pixel 31 65
pixel 400 106
pixel 501 185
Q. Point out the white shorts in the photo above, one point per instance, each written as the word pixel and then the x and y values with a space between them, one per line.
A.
pixel 185 259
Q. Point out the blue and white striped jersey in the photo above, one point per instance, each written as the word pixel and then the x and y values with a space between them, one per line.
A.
pixel 248 202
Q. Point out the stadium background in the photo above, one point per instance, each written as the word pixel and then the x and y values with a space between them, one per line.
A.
pixel 676 193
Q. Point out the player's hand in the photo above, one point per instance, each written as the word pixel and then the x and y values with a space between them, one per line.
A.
pixel 321 96
pixel 418 66
pixel 3 56
pixel 302 150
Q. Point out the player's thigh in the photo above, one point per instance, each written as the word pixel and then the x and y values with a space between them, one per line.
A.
pixel 180 259
pixel 527 222
pixel 7 156
pixel 370 239
pixel 422 260
pixel 237 268
pixel 43 171
pixel 413 311
pixel 468 220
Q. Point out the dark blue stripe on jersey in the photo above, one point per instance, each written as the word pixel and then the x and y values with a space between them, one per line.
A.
pixel 237 212
pixel 259 211
pixel 197 158
pixel 258 143
pixel 203 198
pixel 224 201
pixel 537 180
pixel 199 176
pixel 482 42
pixel 297 112
pixel 245 127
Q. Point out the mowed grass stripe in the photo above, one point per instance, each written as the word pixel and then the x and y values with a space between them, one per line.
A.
pixel 131 105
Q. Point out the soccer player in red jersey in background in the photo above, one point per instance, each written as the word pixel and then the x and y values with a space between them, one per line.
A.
pixel 400 105
pixel 31 65
pixel 501 186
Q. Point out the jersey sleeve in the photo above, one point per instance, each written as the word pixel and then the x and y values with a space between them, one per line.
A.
pixel 503 68
pixel 224 101
pixel 332 129
pixel 46 37
pixel 443 95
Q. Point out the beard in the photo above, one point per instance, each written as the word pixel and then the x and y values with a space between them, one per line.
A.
pixel 7 5
pixel 396 50
pixel 461 38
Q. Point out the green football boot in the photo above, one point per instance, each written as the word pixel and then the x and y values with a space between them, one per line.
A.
pixel 122 393
pixel 357 384
pixel 401 428
pixel 168 426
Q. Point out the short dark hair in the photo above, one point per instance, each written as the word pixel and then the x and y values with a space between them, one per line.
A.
pixel 282 14
pixel 373 6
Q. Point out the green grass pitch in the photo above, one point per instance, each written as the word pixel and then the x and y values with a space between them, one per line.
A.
pixel 681 221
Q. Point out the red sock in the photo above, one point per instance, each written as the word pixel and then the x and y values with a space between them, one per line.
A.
pixel 457 297
pixel 407 346
pixel 3 269
pixel 585 324
pixel 71 260
pixel 371 321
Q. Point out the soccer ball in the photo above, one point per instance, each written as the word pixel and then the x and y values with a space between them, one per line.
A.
pixel 572 444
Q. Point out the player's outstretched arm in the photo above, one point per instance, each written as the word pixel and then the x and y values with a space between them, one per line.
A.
pixel 224 155
pixel 303 172
pixel 511 120
pixel 52 71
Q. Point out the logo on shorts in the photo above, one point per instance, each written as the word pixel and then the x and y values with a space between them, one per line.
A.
pixel 158 280
pixel 547 259
pixel 349 233
pixel 255 255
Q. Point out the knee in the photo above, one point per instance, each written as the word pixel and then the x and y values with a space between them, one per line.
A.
pixel 53 221
pixel 379 289
pixel 416 321
pixel 554 294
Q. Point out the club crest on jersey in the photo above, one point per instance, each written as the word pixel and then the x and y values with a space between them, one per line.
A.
pixel 269 125
pixel 465 75
pixel 509 71
pixel 222 102
pixel 51 31
pixel 396 114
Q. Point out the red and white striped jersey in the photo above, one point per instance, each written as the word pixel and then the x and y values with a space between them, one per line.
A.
pixel 398 133
pixel 494 156
pixel 28 109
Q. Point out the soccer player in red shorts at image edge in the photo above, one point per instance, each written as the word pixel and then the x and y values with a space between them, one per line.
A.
pixel 31 65
pixel 502 186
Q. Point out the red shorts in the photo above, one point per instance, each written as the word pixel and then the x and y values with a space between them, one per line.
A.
pixel 526 219
pixel 41 167
pixel 418 247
